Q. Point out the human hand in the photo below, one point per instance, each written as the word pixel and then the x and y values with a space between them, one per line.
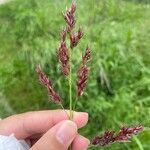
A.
pixel 47 130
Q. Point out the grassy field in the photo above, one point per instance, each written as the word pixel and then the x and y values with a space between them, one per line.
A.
pixel 118 89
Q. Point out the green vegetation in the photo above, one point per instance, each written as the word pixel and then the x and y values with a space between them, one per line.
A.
pixel 118 90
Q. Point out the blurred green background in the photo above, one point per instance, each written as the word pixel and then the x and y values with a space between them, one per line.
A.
pixel 118 91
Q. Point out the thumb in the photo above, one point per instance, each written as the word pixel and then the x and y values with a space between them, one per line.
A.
pixel 59 137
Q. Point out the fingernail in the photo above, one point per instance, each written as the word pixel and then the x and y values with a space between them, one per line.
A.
pixel 66 133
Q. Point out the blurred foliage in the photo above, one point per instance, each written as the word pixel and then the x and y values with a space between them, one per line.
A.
pixel 118 89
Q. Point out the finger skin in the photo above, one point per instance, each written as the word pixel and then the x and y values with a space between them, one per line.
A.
pixel 27 124
pixel 58 137
pixel 80 143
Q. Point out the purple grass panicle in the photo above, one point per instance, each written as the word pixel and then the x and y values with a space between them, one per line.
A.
pixel 105 139
pixel 124 135
pixel 83 72
pixel 63 56
pixel 87 55
pixel 82 76
pixel 69 16
pixel 63 34
pixel 48 84
pixel 75 38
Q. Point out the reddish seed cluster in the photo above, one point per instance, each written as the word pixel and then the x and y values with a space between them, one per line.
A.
pixel 106 139
pixel 63 56
pixel 110 137
pixel 83 72
pixel 70 16
pixel 63 52
pixel 82 79
pixel 63 35
pixel 126 133
pixel 86 57
pixel 75 38
pixel 48 84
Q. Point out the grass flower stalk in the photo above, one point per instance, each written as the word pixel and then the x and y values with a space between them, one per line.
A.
pixel 65 55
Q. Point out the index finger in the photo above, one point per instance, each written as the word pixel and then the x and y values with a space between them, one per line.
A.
pixel 27 124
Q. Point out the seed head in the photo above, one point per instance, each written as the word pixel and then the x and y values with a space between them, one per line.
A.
pixel 75 38
pixel 48 84
pixel 73 7
pixel 69 16
pixel 42 77
pixel 82 76
pixel 63 34
pixel 124 135
pixel 105 139
pixel 63 56
pixel 87 55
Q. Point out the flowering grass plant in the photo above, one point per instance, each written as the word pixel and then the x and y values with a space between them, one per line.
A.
pixel 64 53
